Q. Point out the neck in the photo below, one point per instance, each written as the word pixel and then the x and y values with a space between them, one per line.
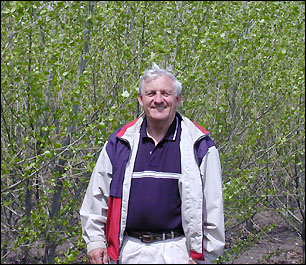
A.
pixel 157 130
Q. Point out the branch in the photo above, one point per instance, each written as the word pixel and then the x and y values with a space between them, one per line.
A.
pixel 9 42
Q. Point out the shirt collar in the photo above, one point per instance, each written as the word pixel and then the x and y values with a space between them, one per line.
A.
pixel 171 133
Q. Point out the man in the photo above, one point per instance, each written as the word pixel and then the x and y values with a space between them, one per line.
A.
pixel 155 195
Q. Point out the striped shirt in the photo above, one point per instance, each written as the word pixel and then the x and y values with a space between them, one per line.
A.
pixel 154 202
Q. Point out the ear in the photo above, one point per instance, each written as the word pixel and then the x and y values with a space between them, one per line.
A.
pixel 139 97
pixel 179 99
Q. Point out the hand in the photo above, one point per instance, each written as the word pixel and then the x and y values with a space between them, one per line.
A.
pixel 98 256
pixel 191 261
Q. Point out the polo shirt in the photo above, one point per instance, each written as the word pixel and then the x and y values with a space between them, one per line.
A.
pixel 154 201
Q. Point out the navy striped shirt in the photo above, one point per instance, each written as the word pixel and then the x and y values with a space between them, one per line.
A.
pixel 154 202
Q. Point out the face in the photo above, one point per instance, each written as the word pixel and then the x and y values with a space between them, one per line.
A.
pixel 159 100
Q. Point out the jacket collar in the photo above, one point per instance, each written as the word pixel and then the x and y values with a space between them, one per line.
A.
pixel 131 130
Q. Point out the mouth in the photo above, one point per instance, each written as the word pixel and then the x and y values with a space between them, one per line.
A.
pixel 159 108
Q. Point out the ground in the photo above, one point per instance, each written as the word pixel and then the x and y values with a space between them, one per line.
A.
pixel 283 248
pixel 281 245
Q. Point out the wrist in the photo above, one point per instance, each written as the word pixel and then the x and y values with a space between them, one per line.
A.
pixel 192 261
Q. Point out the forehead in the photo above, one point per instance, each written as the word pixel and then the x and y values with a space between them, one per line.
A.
pixel 159 82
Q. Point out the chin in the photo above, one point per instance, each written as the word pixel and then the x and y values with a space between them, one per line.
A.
pixel 160 117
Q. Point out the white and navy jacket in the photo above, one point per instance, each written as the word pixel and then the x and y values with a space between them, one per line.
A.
pixel 105 206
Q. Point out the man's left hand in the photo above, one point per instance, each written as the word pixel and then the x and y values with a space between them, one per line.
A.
pixel 191 261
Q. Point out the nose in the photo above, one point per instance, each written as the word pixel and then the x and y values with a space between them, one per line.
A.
pixel 158 98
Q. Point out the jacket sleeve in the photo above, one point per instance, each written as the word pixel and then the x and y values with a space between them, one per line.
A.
pixel 213 215
pixel 93 211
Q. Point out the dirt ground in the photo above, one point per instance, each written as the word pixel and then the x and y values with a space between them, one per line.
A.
pixel 281 245
pixel 283 248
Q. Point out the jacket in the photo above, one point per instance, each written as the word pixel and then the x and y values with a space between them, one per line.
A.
pixel 105 205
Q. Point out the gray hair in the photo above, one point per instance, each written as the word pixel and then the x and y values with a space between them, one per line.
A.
pixel 156 72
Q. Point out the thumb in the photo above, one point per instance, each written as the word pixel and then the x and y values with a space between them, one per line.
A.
pixel 105 258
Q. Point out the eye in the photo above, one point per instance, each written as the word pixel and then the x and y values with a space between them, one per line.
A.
pixel 150 94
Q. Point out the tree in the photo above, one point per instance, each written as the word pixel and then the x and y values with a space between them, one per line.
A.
pixel 69 78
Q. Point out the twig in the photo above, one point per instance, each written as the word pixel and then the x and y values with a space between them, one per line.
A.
pixel 9 42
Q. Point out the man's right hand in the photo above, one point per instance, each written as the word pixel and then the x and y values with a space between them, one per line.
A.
pixel 98 256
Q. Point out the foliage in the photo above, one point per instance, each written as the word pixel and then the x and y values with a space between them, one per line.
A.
pixel 69 77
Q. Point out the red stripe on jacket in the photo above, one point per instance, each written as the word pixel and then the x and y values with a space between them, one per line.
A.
pixel 201 128
pixel 125 127
pixel 196 256
pixel 113 227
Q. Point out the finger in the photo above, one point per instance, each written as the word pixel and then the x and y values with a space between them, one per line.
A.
pixel 95 260
pixel 105 258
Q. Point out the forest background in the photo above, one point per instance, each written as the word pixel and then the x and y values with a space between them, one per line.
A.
pixel 69 78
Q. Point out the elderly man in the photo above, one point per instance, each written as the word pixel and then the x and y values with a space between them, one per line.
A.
pixel 155 195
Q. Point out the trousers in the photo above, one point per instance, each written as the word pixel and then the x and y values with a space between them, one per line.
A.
pixel 170 251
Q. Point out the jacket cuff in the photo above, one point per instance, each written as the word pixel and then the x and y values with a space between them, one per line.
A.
pixel 196 256
pixel 94 245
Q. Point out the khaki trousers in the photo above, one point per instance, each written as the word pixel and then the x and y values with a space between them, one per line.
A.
pixel 170 251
